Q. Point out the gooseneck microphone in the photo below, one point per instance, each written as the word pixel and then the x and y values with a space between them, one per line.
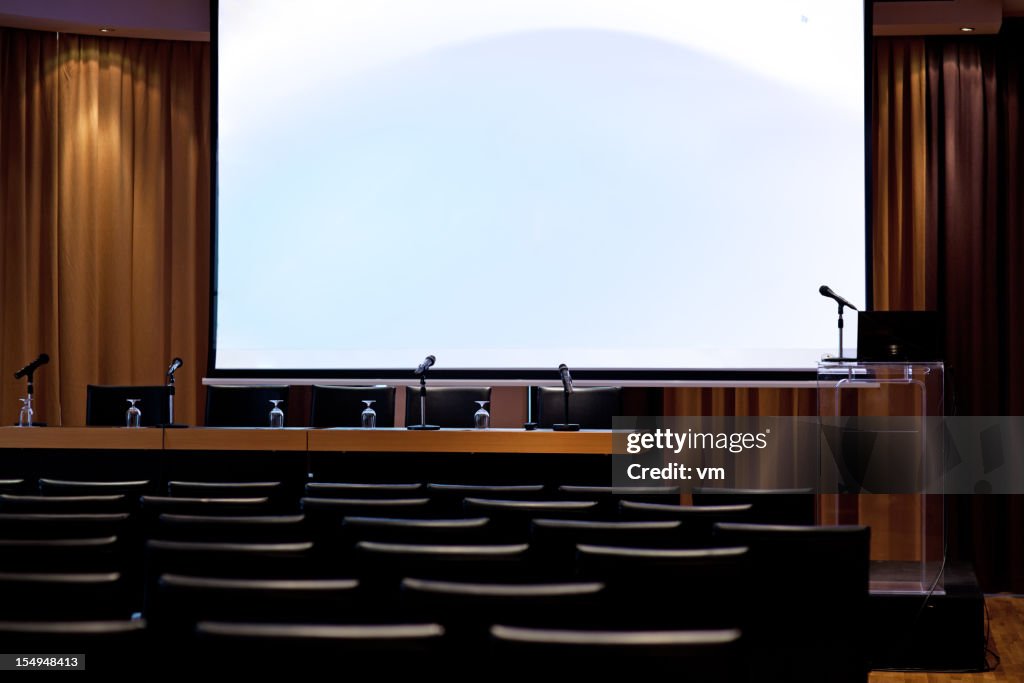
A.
pixel 427 363
pixel 175 364
pixel 563 369
pixel 31 367
pixel 826 291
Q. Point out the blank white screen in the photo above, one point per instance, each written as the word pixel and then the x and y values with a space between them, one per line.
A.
pixel 514 184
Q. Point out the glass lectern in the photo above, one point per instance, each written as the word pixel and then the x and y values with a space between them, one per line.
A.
pixel 880 463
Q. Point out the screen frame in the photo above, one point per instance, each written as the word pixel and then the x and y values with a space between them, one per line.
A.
pixel 648 376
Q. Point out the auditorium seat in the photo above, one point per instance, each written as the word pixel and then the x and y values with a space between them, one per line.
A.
pixel 431 531
pixel 66 504
pixel 317 647
pixel 705 656
pixel 608 497
pixel 318 489
pixel 448 498
pixel 61 596
pixel 64 525
pixel 182 601
pixel 114 646
pixel 243 529
pixel 224 489
pixel 243 406
pixel 447 407
pixel 61 555
pixel 808 613
pixel 511 518
pixel 88 488
pixel 589 407
pixel 685 588
pixel 553 541
pixel 382 566
pixel 697 521
pixel 467 610
pixel 770 506
pixel 156 505
pixel 13 486
pixel 343 406
pixel 107 406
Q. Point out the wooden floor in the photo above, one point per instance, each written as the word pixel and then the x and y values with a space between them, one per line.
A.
pixel 1007 641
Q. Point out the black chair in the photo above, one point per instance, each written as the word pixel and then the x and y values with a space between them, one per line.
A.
pixel 109 646
pixel 343 406
pixel 382 566
pixel 181 601
pixel 467 610
pixel 68 487
pixel 609 496
pixel 316 489
pixel 66 504
pixel 64 524
pixel 62 596
pixel 449 407
pixel 423 531
pixel 225 489
pixel 243 406
pixel 589 407
pixel 447 498
pixel 554 541
pixel 239 529
pixel 675 588
pixel 156 505
pixel 770 506
pixel 316 647
pixel 808 613
pixel 61 555
pixel 706 656
pixel 697 522
pixel 107 406
pixel 511 518
pixel 13 486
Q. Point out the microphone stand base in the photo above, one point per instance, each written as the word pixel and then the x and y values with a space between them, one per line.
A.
pixel 566 428
pixel 423 427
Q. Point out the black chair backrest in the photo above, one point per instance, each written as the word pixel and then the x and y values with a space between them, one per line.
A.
pixel 770 506
pixel 554 541
pixel 343 406
pixel 386 564
pixel 317 489
pixel 697 522
pixel 449 407
pixel 707 656
pixel 435 531
pixel 57 596
pixel 65 504
pixel 89 488
pixel 107 406
pixel 60 555
pixel 589 407
pixel 181 601
pixel 64 524
pixel 243 406
pixel 249 528
pixel 224 489
pixel 810 602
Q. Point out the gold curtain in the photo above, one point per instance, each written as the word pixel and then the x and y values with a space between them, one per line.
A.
pixel 130 249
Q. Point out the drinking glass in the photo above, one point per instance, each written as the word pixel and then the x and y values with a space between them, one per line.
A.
pixel 276 415
pixel 25 413
pixel 369 416
pixel 134 415
pixel 481 417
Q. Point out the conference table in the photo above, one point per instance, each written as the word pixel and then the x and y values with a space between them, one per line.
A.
pixel 590 442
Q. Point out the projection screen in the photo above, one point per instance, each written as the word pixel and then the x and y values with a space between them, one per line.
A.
pixel 513 184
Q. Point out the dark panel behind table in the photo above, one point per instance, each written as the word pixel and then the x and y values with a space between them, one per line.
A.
pixel 478 468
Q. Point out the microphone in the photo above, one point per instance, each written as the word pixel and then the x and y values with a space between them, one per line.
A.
pixel 31 367
pixel 425 365
pixel 563 369
pixel 826 291
pixel 175 364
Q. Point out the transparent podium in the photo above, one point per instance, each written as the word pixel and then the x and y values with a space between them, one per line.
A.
pixel 880 463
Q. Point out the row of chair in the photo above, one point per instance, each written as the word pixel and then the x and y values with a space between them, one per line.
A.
pixel 367 570
pixel 333 406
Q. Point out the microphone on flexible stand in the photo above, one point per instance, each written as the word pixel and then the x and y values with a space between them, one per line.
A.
pixel 29 372
pixel 427 363
pixel 827 292
pixel 175 365
pixel 563 371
